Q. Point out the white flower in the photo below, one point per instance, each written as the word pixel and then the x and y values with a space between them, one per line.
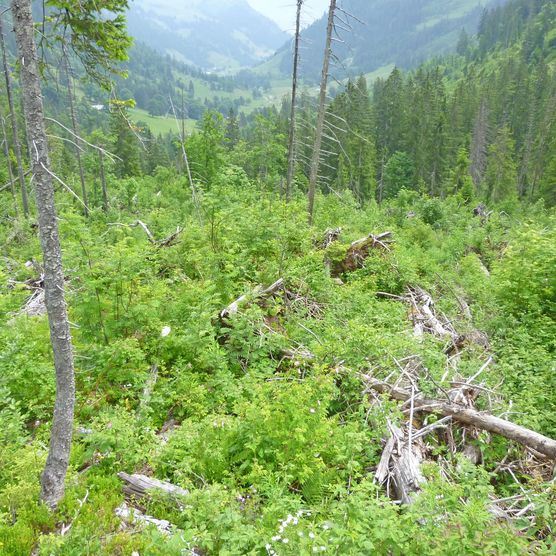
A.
pixel 300 533
pixel 323 548
pixel 165 331
pixel 276 538
pixel 311 535
pixel 315 549
pixel 285 541
pixel 312 410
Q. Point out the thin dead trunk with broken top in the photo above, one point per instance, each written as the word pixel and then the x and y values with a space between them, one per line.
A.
pixel 75 129
pixel 8 162
pixel 13 117
pixel 291 138
pixel 315 160
pixel 53 476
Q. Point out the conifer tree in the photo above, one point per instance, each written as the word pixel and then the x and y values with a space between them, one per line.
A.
pixel 501 172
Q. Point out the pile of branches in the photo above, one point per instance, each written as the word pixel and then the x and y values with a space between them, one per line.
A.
pixel 454 417
pixel 35 305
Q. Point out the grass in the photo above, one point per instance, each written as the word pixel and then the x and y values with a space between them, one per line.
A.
pixel 159 125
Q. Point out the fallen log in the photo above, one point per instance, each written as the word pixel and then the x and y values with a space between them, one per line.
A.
pixel 359 251
pixel 526 437
pixel 141 486
pixel 166 242
pixel 257 294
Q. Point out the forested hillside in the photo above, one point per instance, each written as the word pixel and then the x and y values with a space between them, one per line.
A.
pixel 385 32
pixel 192 361
pixel 216 35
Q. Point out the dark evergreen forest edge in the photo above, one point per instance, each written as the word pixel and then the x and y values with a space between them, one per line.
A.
pixel 295 388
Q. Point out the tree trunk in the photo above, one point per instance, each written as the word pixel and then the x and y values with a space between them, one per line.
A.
pixel 291 138
pixel 315 160
pixel 15 134
pixel 103 182
pixel 9 163
pixel 75 130
pixel 53 476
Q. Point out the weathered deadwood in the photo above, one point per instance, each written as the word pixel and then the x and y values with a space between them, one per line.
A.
pixel 141 486
pixel 359 251
pixel 171 239
pixel 330 236
pixel 424 316
pixel 166 242
pixel 471 417
pixel 401 463
pixel 135 517
pixel 257 294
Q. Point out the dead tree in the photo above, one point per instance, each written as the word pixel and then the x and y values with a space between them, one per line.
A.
pixel 103 181
pixel 53 476
pixel 15 133
pixel 194 193
pixel 471 417
pixel 479 145
pixel 8 162
pixel 75 129
pixel 315 160
pixel 291 138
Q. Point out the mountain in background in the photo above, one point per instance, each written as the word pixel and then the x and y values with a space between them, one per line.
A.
pixel 215 35
pixel 386 33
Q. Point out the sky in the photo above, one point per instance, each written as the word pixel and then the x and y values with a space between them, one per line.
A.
pixel 283 11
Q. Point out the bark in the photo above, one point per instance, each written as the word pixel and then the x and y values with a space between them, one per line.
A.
pixel 479 145
pixel 315 160
pixel 15 134
pixel 53 476
pixel 141 486
pixel 471 417
pixel 75 131
pixel 103 182
pixel 8 162
pixel 258 293
pixel 359 251
pixel 291 138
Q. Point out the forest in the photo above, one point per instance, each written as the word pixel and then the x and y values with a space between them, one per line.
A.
pixel 322 326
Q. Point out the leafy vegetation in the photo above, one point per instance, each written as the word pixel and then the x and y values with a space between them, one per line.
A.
pixel 265 414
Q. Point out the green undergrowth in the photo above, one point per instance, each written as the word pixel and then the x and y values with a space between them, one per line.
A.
pixel 277 454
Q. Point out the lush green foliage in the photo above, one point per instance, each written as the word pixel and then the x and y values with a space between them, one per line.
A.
pixel 278 451
pixel 256 439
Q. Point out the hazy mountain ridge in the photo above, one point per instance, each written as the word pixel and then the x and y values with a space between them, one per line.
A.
pixel 218 35
pixel 400 32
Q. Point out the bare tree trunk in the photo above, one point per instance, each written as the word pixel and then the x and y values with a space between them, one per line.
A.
pixel 9 163
pixel 291 138
pixel 479 145
pixel 75 130
pixel 103 182
pixel 315 160
pixel 17 145
pixel 53 476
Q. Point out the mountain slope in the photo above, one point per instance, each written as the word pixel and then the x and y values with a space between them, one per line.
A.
pixel 218 35
pixel 400 32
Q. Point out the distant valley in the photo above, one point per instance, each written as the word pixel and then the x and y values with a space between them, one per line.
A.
pixel 215 35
